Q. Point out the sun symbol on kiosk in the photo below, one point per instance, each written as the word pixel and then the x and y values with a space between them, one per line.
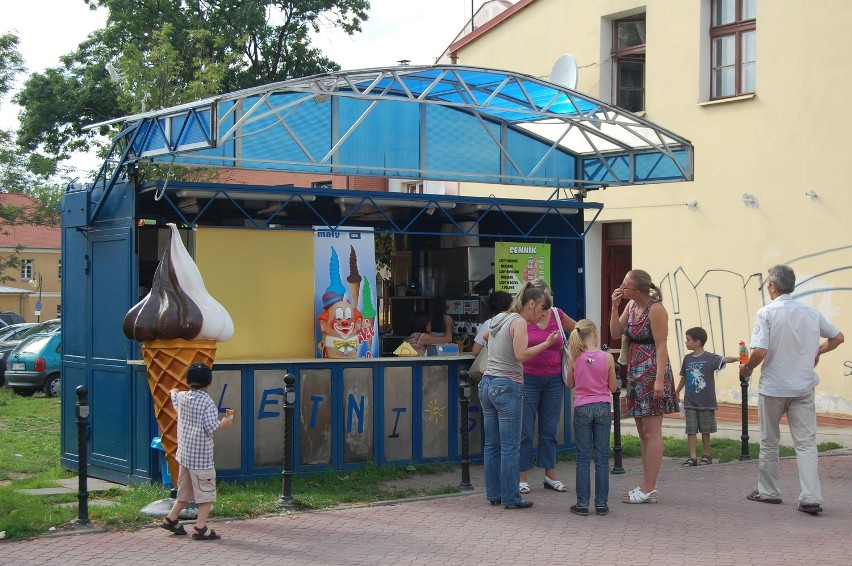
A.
pixel 434 411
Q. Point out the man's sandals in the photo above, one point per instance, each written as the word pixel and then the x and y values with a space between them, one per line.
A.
pixel 692 462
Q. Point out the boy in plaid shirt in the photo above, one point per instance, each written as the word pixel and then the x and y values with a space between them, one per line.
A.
pixel 198 419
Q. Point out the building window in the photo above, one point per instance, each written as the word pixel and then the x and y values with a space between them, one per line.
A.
pixel 26 269
pixel 733 27
pixel 414 188
pixel 628 60
pixel 321 185
pixel 59 271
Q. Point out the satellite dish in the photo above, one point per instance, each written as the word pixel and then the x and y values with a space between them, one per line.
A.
pixel 564 71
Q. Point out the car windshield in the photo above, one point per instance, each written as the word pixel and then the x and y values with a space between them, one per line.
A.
pixel 12 331
pixel 34 344
pixel 46 326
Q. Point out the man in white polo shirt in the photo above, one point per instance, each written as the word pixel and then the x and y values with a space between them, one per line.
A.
pixel 786 339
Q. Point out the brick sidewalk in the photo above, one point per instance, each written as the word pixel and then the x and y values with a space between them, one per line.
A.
pixel 703 518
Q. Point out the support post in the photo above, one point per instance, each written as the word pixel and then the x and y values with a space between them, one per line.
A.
pixel 82 410
pixel 464 429
pixel 287 471
pixel 744 455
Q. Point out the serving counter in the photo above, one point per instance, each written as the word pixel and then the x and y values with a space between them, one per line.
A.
pixel 347 412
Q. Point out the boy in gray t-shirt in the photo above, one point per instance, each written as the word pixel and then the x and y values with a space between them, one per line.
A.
pixel 698 375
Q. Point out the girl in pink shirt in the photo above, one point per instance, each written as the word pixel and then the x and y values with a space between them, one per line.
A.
pixel 591 374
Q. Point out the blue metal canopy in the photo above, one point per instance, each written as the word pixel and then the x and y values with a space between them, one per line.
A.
pixel 438 123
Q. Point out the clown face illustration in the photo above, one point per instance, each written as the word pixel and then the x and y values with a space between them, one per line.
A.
pixel 340 324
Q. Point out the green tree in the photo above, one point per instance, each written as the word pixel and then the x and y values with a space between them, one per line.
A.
pixel 16 168
pixel 166 52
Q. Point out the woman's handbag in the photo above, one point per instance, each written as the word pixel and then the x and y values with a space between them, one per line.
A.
pixel 566 354
pixel 480 363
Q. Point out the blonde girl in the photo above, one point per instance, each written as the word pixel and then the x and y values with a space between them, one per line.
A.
pixel 591 374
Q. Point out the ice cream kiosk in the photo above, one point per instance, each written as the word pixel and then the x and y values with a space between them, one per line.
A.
pixel 285 229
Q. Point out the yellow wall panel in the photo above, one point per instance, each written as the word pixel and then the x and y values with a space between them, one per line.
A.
pixel 264 278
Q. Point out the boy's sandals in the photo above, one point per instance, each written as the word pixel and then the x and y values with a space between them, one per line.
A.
pixel 705 460
pixel 173 526
pixel 204 534
pixel 555 485
pixel 689 463
pixel 636 495
pixel 524 487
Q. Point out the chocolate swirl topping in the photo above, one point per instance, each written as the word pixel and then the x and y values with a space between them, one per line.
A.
pixel 166 312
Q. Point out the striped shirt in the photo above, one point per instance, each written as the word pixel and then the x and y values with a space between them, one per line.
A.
pixel 197 420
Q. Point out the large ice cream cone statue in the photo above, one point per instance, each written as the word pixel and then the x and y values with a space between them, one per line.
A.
pixel 178 323
pixel 167 362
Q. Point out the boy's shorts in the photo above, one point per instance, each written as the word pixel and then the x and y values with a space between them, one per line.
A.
pixel 196 485
pixel 700 420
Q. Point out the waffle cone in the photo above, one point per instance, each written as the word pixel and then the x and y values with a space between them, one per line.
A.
pixel 167 362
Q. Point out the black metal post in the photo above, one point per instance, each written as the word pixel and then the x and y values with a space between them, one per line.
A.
pixel 82 410
pixel 617 467
pixel 464 403
pixel 744 455
pixel 287 471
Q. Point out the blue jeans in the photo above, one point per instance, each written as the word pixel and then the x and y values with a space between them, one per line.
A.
pixel 591 429
pixel 501 398
pixel 544 396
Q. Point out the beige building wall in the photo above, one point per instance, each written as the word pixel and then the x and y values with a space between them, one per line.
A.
pixel 789 138
pixel 46 263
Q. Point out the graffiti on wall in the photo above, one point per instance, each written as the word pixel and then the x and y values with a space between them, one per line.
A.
pixel 724 303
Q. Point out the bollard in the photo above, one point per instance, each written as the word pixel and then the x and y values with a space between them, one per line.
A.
pixel 82 411
pixel 744 455
pixel 617 467
pixel 464 403
pixel 287 471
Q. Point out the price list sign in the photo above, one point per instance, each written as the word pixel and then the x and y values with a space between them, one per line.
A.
pixel 517 263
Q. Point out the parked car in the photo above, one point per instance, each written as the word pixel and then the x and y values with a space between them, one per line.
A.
pixel 35 365
pixel 9 317
pixel 15 331
pixel 7 345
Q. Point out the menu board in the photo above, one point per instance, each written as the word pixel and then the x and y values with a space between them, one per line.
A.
pixel 516 263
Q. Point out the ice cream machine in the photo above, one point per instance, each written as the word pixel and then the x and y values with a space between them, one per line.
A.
pixel 465 313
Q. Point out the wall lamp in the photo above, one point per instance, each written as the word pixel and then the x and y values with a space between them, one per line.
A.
pixel 813 194
pixel 751 200
pixel 692 205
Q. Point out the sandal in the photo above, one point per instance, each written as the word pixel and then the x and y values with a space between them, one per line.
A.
pixel 705 460
pixel 203 534
pixel 524 487
pixel 555 485
pixel 689 463
pixel 636 495
pixel 173 526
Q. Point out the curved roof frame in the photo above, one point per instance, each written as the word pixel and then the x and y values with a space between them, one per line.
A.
pixel 443 122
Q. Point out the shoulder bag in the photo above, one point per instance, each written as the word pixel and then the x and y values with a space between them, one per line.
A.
pixel 566 355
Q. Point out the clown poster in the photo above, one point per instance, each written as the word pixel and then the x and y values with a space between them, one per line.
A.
pixel 345 302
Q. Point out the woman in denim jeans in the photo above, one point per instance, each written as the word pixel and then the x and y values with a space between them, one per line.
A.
pixel 591 374
pixel 544 396
pixel 500 393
